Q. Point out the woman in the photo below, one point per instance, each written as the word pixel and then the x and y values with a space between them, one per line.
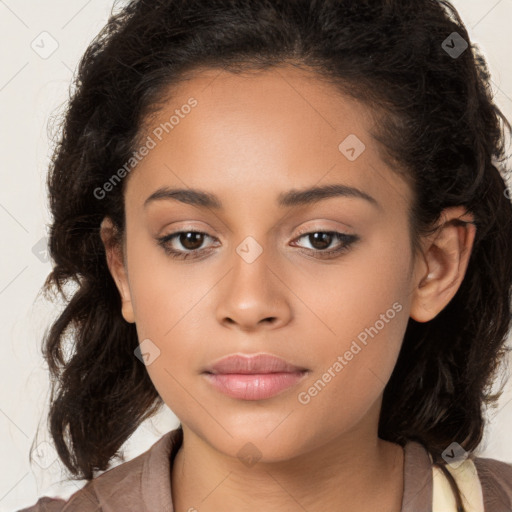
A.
pixel 286 222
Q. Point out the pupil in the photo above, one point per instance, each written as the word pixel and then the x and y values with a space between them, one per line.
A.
pixel 316 237
pixel 195 239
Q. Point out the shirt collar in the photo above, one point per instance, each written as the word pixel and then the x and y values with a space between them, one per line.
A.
pixel 156 472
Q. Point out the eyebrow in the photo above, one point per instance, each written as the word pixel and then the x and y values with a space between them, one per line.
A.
pixel 291 198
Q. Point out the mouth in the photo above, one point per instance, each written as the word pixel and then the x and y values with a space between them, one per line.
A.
pixel 255 377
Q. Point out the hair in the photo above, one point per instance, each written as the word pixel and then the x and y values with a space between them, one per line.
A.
pixel 435 120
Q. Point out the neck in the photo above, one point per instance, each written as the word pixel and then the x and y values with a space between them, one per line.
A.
pixel 355 472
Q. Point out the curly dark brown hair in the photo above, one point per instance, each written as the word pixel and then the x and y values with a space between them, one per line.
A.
pixel 437 122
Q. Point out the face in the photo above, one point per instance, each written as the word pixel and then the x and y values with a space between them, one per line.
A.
pixel 320 280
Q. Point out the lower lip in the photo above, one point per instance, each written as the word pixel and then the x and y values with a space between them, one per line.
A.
pixel 257 386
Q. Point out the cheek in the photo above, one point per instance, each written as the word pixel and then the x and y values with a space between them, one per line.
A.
pixel 367 313
pixel 351 374
pixel 165 299
pixel 164 292
pixel 364 291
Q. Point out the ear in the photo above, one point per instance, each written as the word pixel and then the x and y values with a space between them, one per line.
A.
pixel 442 265
pixel 117 267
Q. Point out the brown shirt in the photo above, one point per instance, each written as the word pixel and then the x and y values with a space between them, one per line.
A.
pixel 143 483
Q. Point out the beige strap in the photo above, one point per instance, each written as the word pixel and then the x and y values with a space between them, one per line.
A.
pixel 467 479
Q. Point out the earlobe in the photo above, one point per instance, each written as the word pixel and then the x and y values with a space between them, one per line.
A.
pixel 117 267
pixel 443 265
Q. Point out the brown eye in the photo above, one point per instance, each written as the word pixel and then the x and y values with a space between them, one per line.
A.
pixel 183 244
pixel 322 240
pixel 191 240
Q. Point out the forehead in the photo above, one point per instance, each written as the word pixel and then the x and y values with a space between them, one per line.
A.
pixel 258 133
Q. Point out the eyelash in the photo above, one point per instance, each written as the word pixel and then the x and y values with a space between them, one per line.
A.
pixel 347 240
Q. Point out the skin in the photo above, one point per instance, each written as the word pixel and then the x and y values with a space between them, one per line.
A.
pixel 250 138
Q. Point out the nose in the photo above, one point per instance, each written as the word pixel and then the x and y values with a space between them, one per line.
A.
pixel 254 296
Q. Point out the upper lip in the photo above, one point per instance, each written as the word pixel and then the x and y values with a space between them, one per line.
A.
pixel 247 364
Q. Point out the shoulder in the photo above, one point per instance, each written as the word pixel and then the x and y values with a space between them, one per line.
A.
pixel 46 505
pixel 496 480
pixel 494 475
pixel 92 495
pixel 118 488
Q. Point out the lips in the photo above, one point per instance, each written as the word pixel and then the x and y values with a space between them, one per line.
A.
pixel 255 377
pixel 260 363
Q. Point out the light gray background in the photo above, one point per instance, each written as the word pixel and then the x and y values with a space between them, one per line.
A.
pixel 32 89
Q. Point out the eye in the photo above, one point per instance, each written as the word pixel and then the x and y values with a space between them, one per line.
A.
pixel 322 240
pixel 191 241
